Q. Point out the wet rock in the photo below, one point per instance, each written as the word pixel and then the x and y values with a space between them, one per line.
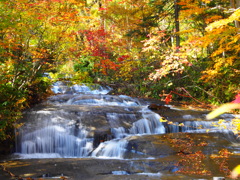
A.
pixel 148 146
pixel 157 107
pixel 100 136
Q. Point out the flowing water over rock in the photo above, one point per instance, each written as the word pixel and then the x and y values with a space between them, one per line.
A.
pixel 86 122
pixel 82 122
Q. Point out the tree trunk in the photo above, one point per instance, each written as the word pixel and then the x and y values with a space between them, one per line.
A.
pixel 177 26
pixel 234 5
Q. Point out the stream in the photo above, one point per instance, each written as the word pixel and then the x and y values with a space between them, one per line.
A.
pixel 84 132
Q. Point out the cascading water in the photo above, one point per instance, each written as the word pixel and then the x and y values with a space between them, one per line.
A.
pixel 111 149
pixel 87 122
pixel 56 140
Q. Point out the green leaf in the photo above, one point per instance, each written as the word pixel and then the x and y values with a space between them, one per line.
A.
pixel 5 103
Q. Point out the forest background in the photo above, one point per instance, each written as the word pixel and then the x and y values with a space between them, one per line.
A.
pixel 147 48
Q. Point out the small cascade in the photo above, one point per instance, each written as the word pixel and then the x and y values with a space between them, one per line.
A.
pixel 100 100
pixel 56 140
pixel 119 132
pixel 144 126
pixel 67 88
pixel 150 124
pixel 83 121
pixel 111 149
pixel 190 126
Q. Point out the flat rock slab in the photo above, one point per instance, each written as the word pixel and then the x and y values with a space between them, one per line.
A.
pixel 75 169
pixel 96 169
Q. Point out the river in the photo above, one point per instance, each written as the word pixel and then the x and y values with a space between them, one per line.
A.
pixel 84 132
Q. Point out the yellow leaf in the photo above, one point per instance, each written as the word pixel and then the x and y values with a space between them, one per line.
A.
pixel 181 124
pixel 235 172
pixel 218 24
pixel 163 120
pixel 221 121
pixel 222 109
pixel 206 1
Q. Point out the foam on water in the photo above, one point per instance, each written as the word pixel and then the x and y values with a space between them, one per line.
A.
pixel 60 87
pixel 113 149
pixel 119 173
pixel 150 174
pixel 38 156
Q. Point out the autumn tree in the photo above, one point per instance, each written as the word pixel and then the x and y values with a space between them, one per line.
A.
pixel 219 46
pixel 123 41
pixel 204 50
pixel 35 37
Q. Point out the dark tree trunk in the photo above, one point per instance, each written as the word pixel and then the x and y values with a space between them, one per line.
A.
pixel 177 26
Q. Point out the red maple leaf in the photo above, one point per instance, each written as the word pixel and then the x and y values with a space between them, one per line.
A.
pixel 237 100
pixel 168 99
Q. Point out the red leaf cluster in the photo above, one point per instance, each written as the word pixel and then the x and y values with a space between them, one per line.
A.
pixel 237 100
pixel 168 99
pixel 123 57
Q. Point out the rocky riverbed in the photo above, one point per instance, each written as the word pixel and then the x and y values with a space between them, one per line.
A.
pixel 163 164
pixel 80 133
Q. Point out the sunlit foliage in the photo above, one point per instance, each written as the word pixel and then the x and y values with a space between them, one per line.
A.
pixel 128 42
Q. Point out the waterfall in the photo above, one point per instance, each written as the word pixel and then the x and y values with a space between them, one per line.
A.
pixel 83 121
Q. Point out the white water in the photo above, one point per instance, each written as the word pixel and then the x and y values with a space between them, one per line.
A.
pixel 119 173
pixel 60 87
pixel 111 149
pixel 56 140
